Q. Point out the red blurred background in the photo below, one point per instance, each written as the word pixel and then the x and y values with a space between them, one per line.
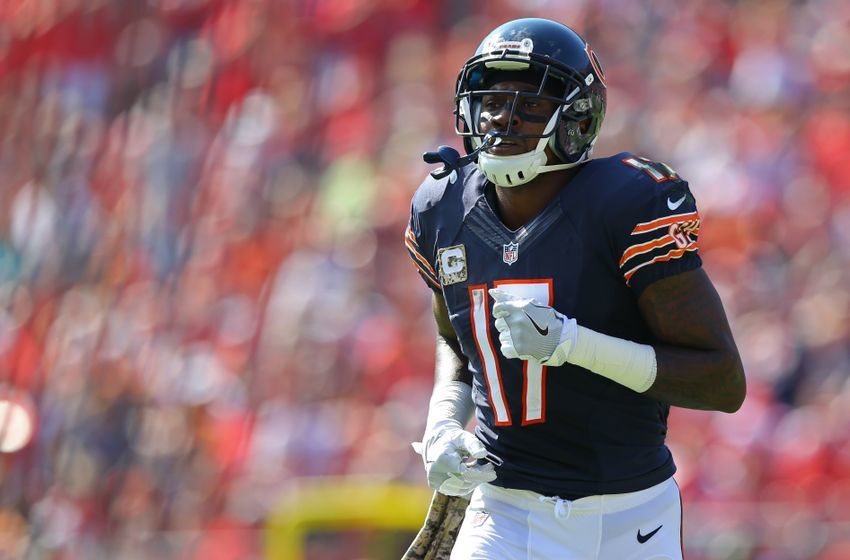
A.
pixel 205 295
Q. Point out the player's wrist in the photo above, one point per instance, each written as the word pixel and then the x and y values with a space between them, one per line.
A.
pixel 450 408
pixel 451 401
pixel 628 363
pixel 566 342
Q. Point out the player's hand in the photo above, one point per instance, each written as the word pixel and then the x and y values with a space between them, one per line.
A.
pixel 531 331
pixel 450 461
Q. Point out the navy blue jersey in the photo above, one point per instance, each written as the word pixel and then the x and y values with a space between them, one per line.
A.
pixel 620 224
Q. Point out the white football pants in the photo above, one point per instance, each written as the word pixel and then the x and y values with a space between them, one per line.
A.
pixel 503 524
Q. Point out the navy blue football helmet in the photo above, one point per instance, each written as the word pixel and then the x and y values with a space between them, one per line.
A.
pixel 563 68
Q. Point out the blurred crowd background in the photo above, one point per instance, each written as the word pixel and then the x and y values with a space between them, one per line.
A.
pixel 204 291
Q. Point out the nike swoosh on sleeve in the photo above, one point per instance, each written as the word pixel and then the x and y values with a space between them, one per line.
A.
pixel 673 205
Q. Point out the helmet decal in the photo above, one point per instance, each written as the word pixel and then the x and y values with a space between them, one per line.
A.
pixel 595 63
pixel 499 44
pixel 496 48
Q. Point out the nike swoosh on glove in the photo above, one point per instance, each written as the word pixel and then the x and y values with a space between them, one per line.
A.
pixel 447 457
pixel 531 331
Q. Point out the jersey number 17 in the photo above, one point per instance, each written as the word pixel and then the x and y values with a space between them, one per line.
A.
pixel 534 374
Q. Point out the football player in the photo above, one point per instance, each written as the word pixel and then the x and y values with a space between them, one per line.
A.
pixel 572 311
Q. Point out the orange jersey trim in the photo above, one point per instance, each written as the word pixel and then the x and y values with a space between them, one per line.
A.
pixel 666 221
pixel 542 418
pixel 674 254
pixel 486 327
pixel 550 283
pixel 427 277
pixel 547 281
pixel 641 248
pixel 411 244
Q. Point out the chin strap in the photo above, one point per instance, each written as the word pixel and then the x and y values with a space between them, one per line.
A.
pixel 516 170
pixel 561 166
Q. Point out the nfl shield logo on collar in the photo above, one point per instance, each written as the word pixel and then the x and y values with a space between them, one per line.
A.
pixel 510 253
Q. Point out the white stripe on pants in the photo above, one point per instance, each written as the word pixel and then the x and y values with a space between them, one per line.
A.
pixel 503 524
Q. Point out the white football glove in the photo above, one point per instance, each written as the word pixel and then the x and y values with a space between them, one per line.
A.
pixel 450 461
pixel 531 331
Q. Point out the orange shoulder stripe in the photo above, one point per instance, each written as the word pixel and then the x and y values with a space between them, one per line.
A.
pixel 641 248
pixel 670 255
pixel 665 221
pixel 410 242
pixel 417 260
pixel 427 277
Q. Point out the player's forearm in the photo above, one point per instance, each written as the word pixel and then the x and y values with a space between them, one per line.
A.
pixel 450 363
pixel 698 361
pixel 707 379
pixel 699 379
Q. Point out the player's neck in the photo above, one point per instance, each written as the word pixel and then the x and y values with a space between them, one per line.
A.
pixel 519 205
